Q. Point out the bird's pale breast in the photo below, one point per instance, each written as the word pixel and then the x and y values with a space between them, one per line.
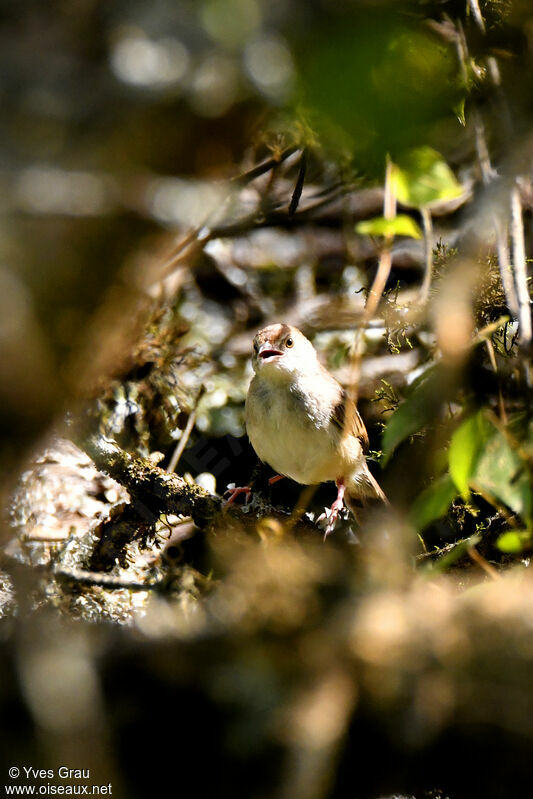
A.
pixel 288 430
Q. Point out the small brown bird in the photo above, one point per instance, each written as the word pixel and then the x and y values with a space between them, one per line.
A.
pixel 295 418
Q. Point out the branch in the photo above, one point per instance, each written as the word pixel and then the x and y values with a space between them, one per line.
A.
pixel 150 485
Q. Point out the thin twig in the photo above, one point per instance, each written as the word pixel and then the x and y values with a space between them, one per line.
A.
pixel 192 237
pixel 385 260
pixel 428 254
pixel 483 563
pixel 41 534
pixel 488 330
pixel 482 150
pixel 513 442
pixel 277 216
pixel 476 13
pixel 265 166
pixel 487 172
pixel 180 251
pixel 372 302
pixel 462 52
pixel 509 517
pixel 483 157
pixel 504 263
pixel 182 443
pixel 297 193
pixel 520 268
pixel 110 581
pixel 493 363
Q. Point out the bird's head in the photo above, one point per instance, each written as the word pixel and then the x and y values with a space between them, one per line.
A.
pixel 282 350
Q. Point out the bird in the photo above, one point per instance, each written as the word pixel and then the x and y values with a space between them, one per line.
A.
pixel 297 421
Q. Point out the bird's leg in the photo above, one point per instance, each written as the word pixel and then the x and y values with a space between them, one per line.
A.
pixel 257 481
pixel 234 491
pixel 336 508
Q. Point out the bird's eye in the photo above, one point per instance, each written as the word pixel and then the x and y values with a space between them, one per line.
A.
pixel 256 346
pixel 289 343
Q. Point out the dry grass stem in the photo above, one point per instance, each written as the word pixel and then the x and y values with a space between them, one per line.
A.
pixel 520 268
pixel 182 443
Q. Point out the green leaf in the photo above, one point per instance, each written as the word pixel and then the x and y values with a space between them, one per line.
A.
pixel 415 412
pixel 483 458
pixel 459 109
pixel 503 474
pixel 514 541
pixel 465 447
pixel 422 178
pixel 433 502
pixel 401 225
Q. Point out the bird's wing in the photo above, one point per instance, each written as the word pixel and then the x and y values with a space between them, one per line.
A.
pixel 356 426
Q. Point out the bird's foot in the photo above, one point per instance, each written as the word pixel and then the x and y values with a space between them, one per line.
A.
pixel 234 491
pixel 332 514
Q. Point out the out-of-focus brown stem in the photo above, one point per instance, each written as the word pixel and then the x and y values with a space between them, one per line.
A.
pixel 483 563
pixel 385 260
pixel 476 13
pixel 182 443
pixel 428 253
pixel 372 302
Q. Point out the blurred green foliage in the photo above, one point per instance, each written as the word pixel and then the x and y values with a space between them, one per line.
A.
pixel 377 83
pixel 465 447
pixel 433 502
pixel 400 225
pixel 422 178
pixel 420 406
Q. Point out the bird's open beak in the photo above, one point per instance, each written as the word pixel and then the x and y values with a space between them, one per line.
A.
pixel 268 351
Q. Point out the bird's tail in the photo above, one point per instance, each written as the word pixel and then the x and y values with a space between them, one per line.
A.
pixel 364 486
